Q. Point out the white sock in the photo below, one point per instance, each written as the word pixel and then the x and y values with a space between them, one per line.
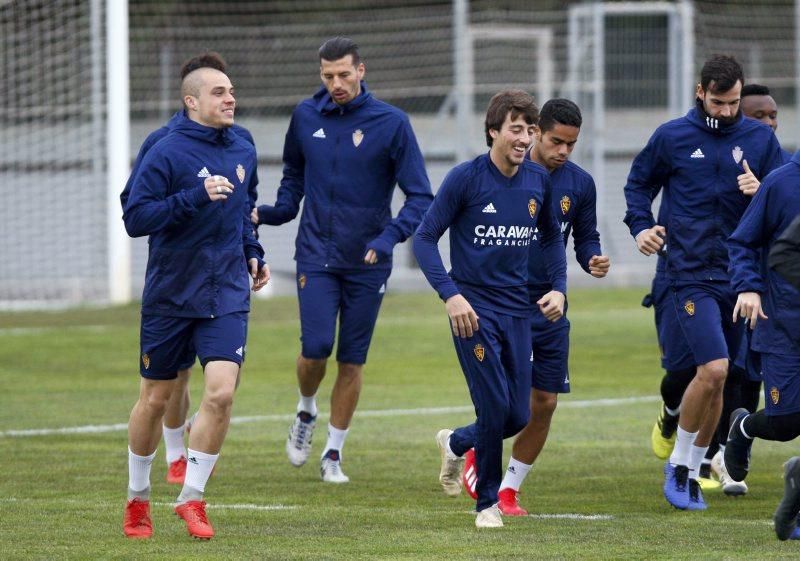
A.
pixel 335 439
pixel 308 404
pixel 139 471
pixel 198 469
pixel 673 412
pixel 173 439
pixel 696 455
pixel 515 474
pixel 449 451
pixel 683 446
pixel 722 450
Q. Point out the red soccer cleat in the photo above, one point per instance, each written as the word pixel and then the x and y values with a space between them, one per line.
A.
pixel 177 471
pixel 469 477
pixel 136 522
pixel 507 502
pixel 194 514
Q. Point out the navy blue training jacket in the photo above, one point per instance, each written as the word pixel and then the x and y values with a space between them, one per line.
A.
pixel 197 262
pixel 160 133
pixel 774 207
pixel 492 219
pixel 696 159
pixel 345 160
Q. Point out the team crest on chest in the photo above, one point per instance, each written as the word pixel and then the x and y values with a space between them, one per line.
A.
pixel 358 136
pixel 565 204
pixel 689 307
pixel 240 173
pixel 737 154
pixel 301 281
pixel 146 361
pixel 774 395
pixel 532 207
pixel 480 352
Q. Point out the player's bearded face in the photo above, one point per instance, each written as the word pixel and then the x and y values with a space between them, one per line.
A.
pixel 723 106
pixel 342 78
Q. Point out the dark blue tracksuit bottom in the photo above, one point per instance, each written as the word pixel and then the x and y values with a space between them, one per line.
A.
pixel 496 364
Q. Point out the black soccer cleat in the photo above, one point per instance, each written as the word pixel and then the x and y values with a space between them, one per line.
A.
pixel 737 449
pixel 789 507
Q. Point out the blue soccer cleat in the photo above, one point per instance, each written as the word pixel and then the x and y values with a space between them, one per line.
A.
pixel 737 449
pixel 696 500
pixel 676 485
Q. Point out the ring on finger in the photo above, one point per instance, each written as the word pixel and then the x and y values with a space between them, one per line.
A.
pixel 219 189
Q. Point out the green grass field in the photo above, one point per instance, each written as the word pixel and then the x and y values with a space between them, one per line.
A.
pixel 61 495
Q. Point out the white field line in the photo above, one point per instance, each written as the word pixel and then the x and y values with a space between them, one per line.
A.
pixel 160 504
pixel 94 429
pixel 280 507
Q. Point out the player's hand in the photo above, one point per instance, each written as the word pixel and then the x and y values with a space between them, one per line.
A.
pixel 260 276
pixel 652 240
pixel 748 306
pixel 599 266
pixel 254 216
pixel 552 305
pixel 378 250
pixel 218 187
pixel 371 257
pixel 748 184
pixel 463 318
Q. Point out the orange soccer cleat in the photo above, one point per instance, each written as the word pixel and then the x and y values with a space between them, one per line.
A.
pixel 194 514
pixel 136 523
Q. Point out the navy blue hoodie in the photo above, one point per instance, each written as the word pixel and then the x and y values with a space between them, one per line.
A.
pixel 197 262
pixel 160 133
pixel 345 160
pixel 696 159
pixel 774 207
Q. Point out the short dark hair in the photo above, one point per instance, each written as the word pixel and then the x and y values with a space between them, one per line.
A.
pixel 755 89
pixel 516 102
pixel 724 71
pixel 559 111
pixel 339 47
pixel 208 59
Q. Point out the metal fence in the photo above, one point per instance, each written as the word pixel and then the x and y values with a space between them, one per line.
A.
pixel 438 61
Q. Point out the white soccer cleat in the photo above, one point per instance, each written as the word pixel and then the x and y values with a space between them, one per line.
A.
pixel 489 518
pixel 729 486
pixel 298 445
pixel 450 472
pixel 330 468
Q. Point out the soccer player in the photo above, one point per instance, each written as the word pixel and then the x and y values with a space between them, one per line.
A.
pixel 709 163
pixel 492 206
pixel 344 152
pixel 743 385
pixel 574 193
pixel 190 195
pixel 175 421
pixel 771 308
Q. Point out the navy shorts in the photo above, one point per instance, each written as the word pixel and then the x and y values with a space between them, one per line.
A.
pixel 169 344
pixel 675 351
pixel 747 359
pixel 354 295
pixel 781 383
pixel 550 353
pixel 705 311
